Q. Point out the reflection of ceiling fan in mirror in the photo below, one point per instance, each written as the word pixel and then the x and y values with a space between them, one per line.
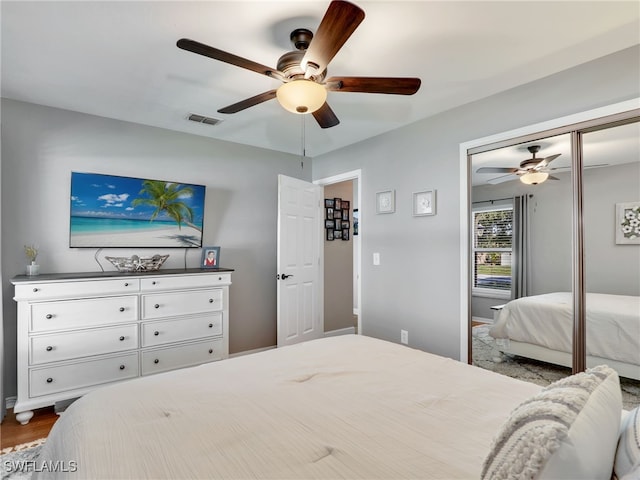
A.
pixel 532 171
pixel 303 71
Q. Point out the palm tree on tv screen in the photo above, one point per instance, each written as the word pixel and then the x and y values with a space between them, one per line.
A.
pixel 165 197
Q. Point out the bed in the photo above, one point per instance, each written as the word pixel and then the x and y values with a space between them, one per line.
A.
pixel 339 407
pixel 541 326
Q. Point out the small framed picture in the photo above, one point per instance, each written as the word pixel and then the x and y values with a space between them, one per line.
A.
pixel 386 201
pixel 345 204
pixel 210 257
pixel 329 212
pixel 628 223
pixel 337 234
pixel 329 235
pixel 345 224
pixel 337 203
pixel 345 234
pixel 328 202
pixel 345 214
pixel 337 213
pixel 330 224
pixel 424 203
pixel 337 224
pixel 356 220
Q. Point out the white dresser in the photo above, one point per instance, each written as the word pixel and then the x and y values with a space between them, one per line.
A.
pixel 79 331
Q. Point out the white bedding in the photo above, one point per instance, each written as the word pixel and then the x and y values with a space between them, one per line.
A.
pixel 613 324
pixel 339 407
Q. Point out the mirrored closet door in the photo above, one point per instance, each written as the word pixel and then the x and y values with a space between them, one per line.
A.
pixel 551 244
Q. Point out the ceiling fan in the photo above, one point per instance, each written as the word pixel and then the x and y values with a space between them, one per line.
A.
pixel 303 71
pixel 532 171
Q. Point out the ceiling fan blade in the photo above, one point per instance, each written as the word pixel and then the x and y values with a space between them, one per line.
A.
pixel 339 22
pixel 497 170
pixel 249 102
pixel 325 116
pixel 391 85
pixel 546 161
pixel 216 54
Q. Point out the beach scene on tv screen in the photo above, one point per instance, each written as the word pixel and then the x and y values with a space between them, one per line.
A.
pixel 113 211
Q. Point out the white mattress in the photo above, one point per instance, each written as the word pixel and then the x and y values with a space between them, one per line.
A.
pixel 340 407
pixel 613 324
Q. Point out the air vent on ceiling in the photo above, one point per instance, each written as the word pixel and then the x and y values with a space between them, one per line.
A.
pixel 194 117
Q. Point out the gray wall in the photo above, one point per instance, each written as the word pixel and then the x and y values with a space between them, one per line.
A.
pixel 416 287
pixel 338 269
pixel 606 264
pixel 41 146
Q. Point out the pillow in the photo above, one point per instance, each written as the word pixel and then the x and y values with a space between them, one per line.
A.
pixel 567 431
pixel 628 453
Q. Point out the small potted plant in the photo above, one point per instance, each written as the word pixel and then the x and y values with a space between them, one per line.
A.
pixel 31 251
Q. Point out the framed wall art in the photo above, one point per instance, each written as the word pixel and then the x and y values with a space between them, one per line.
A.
pixel 386 201
pixel 424 203
pixel 628 223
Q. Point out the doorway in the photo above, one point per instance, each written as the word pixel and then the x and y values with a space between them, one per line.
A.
pixel 341 256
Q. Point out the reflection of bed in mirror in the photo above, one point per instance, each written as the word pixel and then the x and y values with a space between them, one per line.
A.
pixel 541 327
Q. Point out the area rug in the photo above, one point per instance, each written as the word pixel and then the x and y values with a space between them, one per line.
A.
pixel 18 462
pixel 486 355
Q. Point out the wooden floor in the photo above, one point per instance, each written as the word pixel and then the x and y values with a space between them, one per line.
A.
pixel 12 433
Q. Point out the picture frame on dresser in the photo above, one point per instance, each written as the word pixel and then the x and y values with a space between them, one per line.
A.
pixel 210 257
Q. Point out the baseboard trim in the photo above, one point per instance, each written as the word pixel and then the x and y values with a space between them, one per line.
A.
pixel 340 331
pixel 482 320
pixel 10 402
pixel 249 352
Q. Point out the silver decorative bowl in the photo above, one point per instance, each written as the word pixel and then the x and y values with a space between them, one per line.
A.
pixel 135 263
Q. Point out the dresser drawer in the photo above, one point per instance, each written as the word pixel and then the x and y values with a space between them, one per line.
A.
pixel 45 381
pixel 181 329
pixel 47 290
pixel 90 312
pixel 185 281
pixel 163 359
pixel 181 303
pixel 84 343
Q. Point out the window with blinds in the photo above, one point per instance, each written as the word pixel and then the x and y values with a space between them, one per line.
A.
pixel 492 248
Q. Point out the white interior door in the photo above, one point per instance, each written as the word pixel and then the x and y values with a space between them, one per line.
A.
pixel 299 275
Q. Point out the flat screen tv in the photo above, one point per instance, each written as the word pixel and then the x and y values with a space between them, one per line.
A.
pixel 111 211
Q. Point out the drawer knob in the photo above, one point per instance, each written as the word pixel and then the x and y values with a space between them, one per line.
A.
pixel 156 306
pixel 36 289
pixel 156 361
pixel 211 325
pixel 49 316
pixel 156 333
pixel 49 348
pixel 211 300
pixel 126 284
pixel 49 380
pixel 211 350
pixel 122 338
pixel 121 367
pixel 122 309
pixel 153 283
pixel 219 278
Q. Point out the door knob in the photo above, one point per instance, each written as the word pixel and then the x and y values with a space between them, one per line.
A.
pixel 285 276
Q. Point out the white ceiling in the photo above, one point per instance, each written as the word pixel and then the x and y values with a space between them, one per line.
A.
pixel 119 59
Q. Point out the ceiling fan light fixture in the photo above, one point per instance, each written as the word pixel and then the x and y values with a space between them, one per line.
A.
pixel 534 178
pixel 301 96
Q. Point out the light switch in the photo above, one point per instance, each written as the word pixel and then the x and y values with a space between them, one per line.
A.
pixel 376 258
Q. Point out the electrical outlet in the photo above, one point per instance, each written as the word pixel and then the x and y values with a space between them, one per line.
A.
pixel 404 337
pixel 376 258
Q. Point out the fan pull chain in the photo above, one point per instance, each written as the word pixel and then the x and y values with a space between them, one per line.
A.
pixel 303 132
